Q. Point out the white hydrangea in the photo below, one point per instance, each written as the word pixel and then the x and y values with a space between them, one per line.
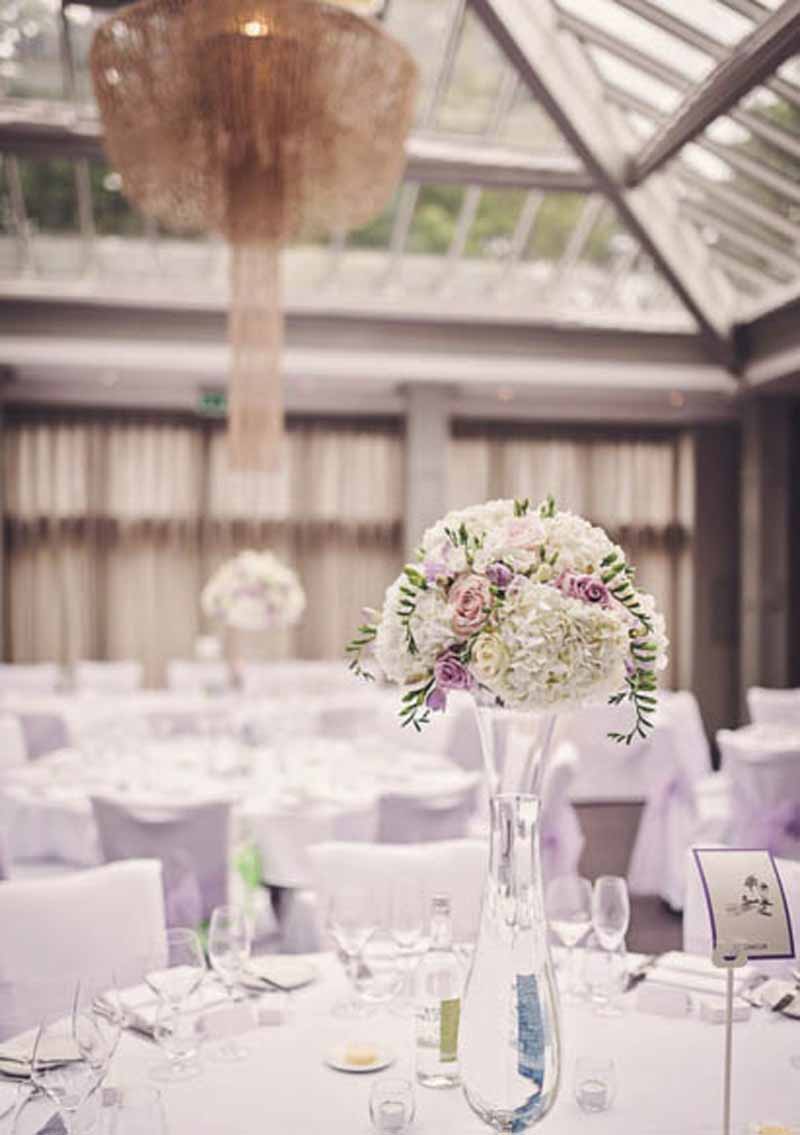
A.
pixel 254 591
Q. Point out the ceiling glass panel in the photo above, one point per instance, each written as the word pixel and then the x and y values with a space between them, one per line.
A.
pixel 471 97
pixel 436 214
pixel 641 35
pixel 617 72
pixel 30 63
pixel 712 18
pixel 556 219
pixel 526 124
pixel 495 222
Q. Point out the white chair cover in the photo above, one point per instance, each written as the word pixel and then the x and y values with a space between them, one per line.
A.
pixel 453 867
pixel 108 677
pixel 37 678
pixel 197 677
pixel 764 779
pixel 696 927
pixel 165 723
pixel 774 707
pixel 103 920
pixel 191 840
pixel 44 732
pixel 405 817
pixel 13 751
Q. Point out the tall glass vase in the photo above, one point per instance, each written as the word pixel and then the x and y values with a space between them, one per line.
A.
pixel 509 1049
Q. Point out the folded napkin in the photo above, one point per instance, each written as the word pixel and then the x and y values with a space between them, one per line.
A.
pixel 52 1050
pixel 141 1005
pixel 693 982
pixel 279 969
pixel 702 967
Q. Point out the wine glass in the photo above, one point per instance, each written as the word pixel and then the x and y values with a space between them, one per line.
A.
pixel 229 943
pixel 568 902
pixel 61 1071
pixel 407 931
pixel 351 924
pixel 611 916
pixel 179 1031
pixel 176 976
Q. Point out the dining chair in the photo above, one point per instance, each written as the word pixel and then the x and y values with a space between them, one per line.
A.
pixel 407 817
pixel 192 841
pixel 35 678
pixel 108 677
pixel 763 775
pixel 13 751
pixel 774 707
pixel 105 920
pixel 453 867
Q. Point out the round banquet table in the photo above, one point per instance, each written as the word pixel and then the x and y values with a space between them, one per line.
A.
pixel 669 1075
pixel 317 790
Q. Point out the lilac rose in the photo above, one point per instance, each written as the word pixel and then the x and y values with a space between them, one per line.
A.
pixel 470 597
pixel 499 575
pixel 584 587
pixel 451 673
pixel 436 700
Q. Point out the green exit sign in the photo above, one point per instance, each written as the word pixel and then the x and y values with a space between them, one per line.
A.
pixel 213 403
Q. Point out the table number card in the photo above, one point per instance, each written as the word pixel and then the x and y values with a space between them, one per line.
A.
pixel 746 901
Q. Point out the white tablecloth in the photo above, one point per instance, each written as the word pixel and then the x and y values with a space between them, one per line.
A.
pixel 311 791
pixel 669 1075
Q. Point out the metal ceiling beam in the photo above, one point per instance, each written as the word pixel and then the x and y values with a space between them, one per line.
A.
pixel 578 239
pixel 750 63
pixel 558 73
pixel 455 24
pixel 466 218
pixel 35 129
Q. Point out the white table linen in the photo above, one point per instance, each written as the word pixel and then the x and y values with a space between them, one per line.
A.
pixel 669 1075
pixel 312 790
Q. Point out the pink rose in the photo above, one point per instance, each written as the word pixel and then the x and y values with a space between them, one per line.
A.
pixel 470 597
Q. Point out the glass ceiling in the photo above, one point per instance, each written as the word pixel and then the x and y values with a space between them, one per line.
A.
pixel 503 220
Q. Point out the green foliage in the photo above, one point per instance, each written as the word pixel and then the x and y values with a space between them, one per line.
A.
pixel 414 711
pixel 356 647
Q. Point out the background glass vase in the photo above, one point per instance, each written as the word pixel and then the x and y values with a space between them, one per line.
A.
pixel 509 1047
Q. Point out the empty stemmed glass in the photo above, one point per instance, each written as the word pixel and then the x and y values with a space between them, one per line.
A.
pixel 176 976
pixel 611 915
pixel 351 924
pixel 568 902
pixel 173 979
pixel 229 943
pixel 63 1070
pixel 407 931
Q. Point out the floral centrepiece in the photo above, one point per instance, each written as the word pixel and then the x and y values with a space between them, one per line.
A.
pixel 254 591
pixel 534 608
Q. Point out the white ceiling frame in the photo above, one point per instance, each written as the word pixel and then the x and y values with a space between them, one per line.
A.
pixel 560 75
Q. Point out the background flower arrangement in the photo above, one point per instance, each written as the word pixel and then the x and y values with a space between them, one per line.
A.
pixel 254 591
pixel 531 607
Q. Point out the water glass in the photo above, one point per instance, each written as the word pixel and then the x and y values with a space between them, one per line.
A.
pixel 595 1083
pixel 139 1111
pixel 61 1071
pixel 229 944
pixel 178 975
pixel 391 1106
pixel 179 1030
pixel 351 923
pixel 568 904
pixel 407 931
pixel 611 911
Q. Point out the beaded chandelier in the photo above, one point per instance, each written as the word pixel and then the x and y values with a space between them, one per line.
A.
pixel 261 120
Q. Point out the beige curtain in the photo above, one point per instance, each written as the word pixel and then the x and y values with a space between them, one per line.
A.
pixel 635 484
pixel 113 525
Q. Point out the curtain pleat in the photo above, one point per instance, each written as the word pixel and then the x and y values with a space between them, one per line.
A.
pixel 113 525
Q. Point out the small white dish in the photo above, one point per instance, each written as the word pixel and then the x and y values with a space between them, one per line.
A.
pixel 340 1057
